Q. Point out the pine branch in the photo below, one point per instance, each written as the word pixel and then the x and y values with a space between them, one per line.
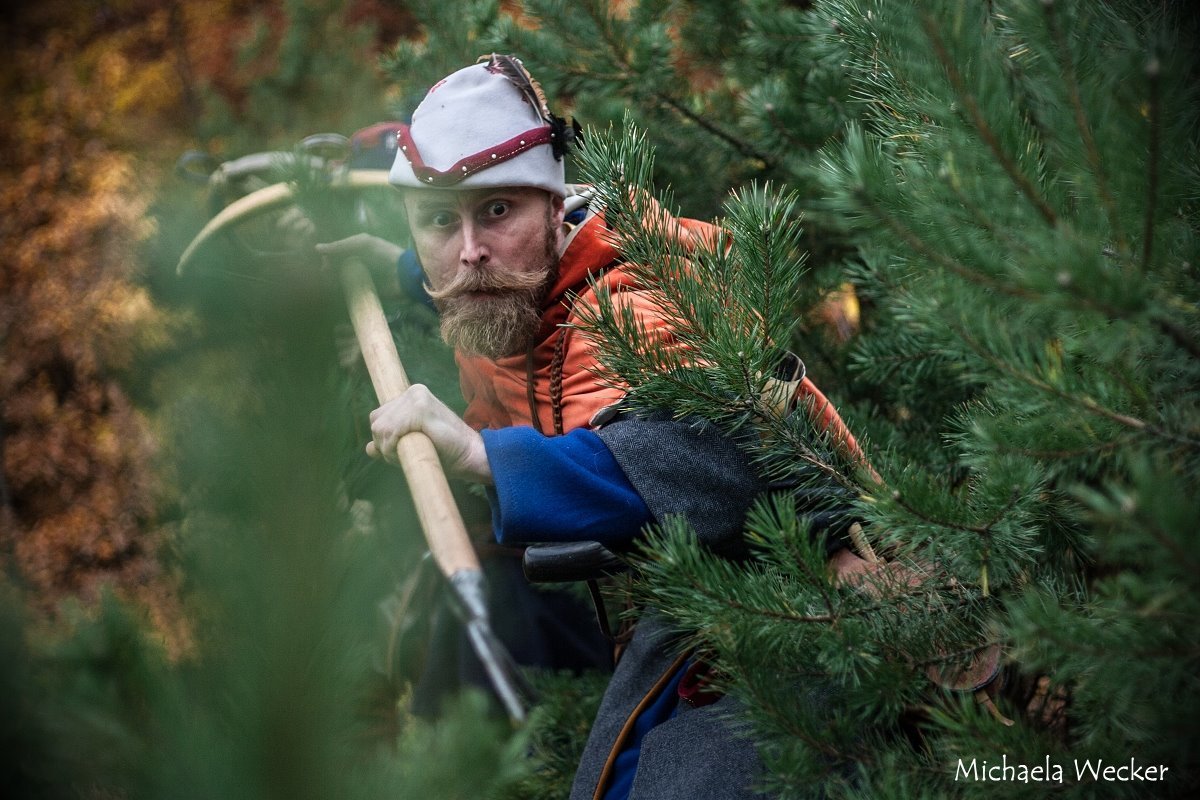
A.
pixel 797 442
pixel 1085 403
pixel 985 223
pixel 784 616
pixel 954 656
pixel 620 338
pixel 787 724
pixel 983 530
pixel 1181 555
pixel 819 581
pixel 1101 652
pixel 981 124
pixel 1067 68
pixel 768 274
pixel 737 143
pixel 1152 73
pixel 784 132
pixel 1178 334
pixel 893 598
pixel 615 50
pixel 914 241
pixel 1058 455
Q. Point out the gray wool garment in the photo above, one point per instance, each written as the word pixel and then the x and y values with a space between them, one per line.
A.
pixel 688 468
pixel 701 753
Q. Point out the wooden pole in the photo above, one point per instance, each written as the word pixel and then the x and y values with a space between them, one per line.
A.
pixel 440 518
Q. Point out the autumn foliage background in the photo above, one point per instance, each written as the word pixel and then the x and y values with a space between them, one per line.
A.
pixel 101 99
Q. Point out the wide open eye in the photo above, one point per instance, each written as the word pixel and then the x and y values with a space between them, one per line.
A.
pixel 497 209
pixel 440 219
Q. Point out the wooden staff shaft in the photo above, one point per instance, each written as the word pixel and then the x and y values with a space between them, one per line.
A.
pixel 440 519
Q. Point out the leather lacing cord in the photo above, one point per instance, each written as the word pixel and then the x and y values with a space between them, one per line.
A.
pixel 556 370
pixel 529 392
pixel 556 381
pixel 631 720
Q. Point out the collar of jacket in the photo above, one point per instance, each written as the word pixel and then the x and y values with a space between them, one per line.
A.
pixel 592 247
pixel 589 251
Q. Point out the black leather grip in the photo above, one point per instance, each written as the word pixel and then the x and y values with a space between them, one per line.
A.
pixel 570 561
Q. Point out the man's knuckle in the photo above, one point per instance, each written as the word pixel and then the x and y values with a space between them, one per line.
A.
pixel 420 396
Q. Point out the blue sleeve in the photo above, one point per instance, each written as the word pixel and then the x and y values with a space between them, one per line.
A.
pixel 412 277
pixel 559 489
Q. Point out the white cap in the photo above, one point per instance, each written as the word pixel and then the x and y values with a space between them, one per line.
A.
pixel 476 128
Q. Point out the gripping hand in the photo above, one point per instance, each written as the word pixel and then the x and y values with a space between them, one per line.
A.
pixel 459 446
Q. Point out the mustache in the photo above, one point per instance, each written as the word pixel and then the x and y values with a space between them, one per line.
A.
pixel 489 280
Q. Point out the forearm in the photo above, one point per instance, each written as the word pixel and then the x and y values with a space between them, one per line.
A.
pixel 560 489
pixel 607 485
pixel 690 468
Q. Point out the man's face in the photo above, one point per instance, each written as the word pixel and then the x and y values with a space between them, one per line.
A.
pixel 489 256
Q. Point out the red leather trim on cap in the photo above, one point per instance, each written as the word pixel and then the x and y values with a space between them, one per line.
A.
pixel 471 164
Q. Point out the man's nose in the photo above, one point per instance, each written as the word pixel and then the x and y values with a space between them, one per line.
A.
pixel 474 251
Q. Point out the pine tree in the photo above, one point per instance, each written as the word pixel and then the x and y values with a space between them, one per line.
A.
pixel 1021 187
pixel 1030 193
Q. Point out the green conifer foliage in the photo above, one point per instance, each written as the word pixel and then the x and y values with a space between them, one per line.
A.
pixel 1021 187
pixel 272 688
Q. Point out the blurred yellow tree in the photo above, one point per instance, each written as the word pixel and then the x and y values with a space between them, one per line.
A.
pixel 78 495
pixel 100 100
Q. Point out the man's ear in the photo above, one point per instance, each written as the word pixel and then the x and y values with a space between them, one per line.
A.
pixel 557 213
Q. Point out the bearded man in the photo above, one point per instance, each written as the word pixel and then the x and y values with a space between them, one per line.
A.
pixel 482 176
